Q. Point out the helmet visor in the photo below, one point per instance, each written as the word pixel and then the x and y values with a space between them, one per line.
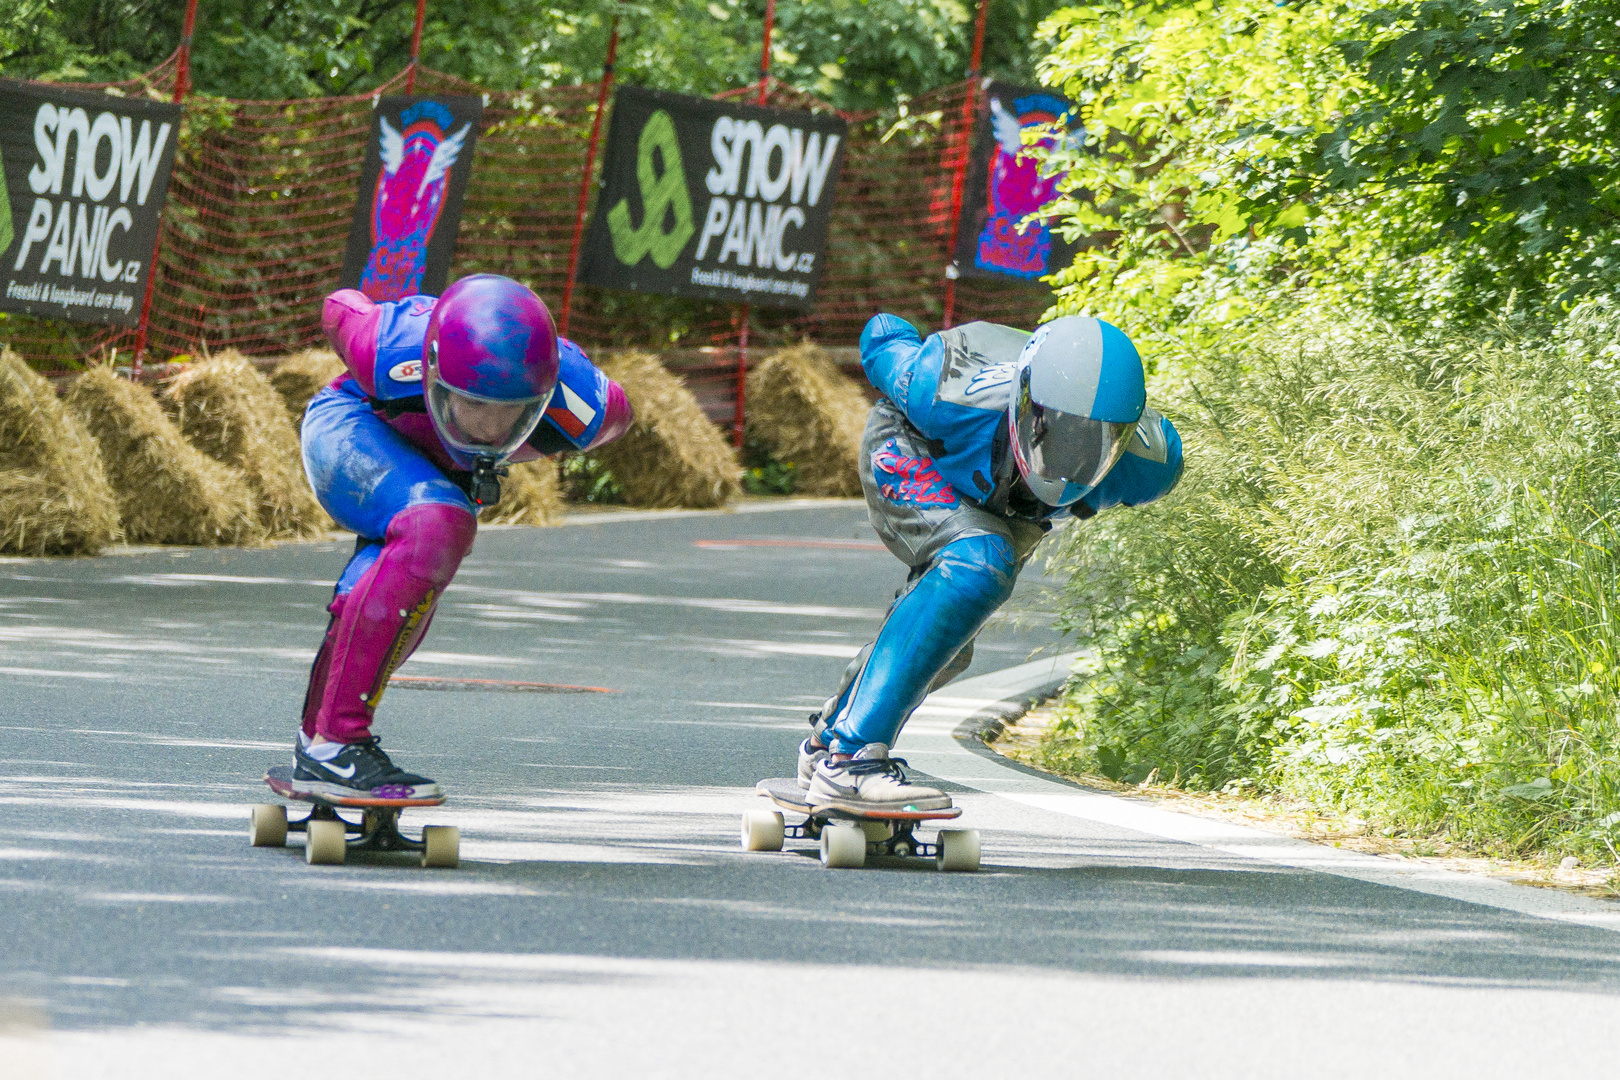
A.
pixel 479 426
pixel 1062 456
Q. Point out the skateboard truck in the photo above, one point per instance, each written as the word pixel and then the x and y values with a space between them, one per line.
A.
pixel 377 830
pixel 898 838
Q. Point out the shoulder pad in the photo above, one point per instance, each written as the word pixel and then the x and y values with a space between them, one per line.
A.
pixel 980 361
pixel 400 334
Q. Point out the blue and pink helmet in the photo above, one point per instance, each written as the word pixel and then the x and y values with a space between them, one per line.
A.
pixel 490 340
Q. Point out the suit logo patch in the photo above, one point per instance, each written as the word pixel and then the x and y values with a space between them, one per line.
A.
pixel 911 481
pixel 572 414
pixel 992 375
pixel 406 371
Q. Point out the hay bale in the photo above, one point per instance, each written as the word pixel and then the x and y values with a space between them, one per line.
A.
pixel 168 491
pixel 672 455
pixel 54 495
pixel 530 495
pixel 301 375
pixel 807 412
pixel 230 412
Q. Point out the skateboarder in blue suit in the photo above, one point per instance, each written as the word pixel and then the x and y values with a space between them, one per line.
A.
pixel 983 438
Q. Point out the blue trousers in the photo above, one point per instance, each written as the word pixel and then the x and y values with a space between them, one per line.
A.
pixel 364 472
pixel 964 562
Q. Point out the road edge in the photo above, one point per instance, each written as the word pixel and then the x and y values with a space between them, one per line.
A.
pixel 967 711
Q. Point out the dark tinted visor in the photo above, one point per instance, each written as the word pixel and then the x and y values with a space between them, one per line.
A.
pixel 1062 448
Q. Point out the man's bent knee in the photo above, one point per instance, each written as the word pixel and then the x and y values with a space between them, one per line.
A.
pixel 984 568
pixel 433 538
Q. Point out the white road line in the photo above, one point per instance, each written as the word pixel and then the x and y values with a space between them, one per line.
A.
pixel 935 742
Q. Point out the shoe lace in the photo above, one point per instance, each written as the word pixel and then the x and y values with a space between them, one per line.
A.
pixel 891 766
pixel 371 747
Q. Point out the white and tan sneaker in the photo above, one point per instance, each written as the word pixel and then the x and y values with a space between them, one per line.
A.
pixel 871 780
pixel 811 754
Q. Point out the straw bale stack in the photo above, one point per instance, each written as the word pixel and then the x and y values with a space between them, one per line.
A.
pixel 530 495
pixel 230 412
pixel 168 491
pixel 54 495
pixel 807 412
pixel 301 375
pixel 672 455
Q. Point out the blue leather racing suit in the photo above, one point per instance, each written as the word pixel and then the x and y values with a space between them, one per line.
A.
pixel 942 492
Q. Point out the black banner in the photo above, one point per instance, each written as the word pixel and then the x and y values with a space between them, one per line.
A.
pixel 408 212
pixel 83 177
pixel 713 199
pixel 1004 185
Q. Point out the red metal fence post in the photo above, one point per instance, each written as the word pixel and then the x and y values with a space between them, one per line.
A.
pixel 182 85
pixel 739 420
pixel 969 112
pixel 416 47
pixel 585 177
pixel 742 339
pixel 765 50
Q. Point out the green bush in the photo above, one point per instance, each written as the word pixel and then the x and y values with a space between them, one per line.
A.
pixel 763 474
pixel 1439 160
pixel 586 479
pixel 1384 585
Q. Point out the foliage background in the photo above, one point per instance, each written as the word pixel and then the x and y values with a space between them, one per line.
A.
pixel 1435 161
pixel 1370 249
pixel 856 54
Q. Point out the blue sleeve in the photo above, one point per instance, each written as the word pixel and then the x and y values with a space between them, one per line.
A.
pixel 1149 469
pixel 578 406
pixel 400 333
pixel 903 366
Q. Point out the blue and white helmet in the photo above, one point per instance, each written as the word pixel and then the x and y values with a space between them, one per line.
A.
pixel 1080 393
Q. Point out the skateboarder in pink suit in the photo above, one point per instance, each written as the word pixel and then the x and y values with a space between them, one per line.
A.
pixel 403 450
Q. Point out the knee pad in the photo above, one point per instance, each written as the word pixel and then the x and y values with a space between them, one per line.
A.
pixel 978 569
pixel 432 539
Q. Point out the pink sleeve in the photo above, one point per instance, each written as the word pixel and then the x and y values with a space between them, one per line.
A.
pixel 350 320
pixel 618 418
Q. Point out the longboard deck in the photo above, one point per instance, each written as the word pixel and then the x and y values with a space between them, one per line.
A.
pixel 279 777
pixel 785 792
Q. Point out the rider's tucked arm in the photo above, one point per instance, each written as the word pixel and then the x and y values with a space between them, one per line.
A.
pixel 1149 469
pixel 903 366
pixel 586 410
pixel 350 320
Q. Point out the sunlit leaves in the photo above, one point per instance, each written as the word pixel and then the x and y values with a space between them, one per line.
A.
pixel 1439 159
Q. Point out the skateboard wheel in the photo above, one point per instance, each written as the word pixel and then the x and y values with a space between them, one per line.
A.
pixel 762 830
pixel 843 847
pixel 267 825
pixel 875 831
pixel 958 849
pixel 441 846
pixel 325 843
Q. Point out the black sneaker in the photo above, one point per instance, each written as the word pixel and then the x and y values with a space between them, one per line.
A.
pixel 360 769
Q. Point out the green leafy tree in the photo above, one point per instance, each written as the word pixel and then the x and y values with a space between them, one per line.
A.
pixel 1438 160
pixel 857 54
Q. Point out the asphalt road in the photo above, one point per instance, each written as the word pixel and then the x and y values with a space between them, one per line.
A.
pixel 604 921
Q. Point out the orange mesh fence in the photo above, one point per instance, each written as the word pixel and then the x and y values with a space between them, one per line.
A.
pixel 262 194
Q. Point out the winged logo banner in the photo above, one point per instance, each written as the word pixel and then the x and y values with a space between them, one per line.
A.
pixel 997 235
pixel 418 160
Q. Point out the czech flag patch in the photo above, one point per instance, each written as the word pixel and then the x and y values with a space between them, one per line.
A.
pixel 570 412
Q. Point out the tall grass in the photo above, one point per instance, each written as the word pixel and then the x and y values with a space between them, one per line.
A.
pixel 1386 584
